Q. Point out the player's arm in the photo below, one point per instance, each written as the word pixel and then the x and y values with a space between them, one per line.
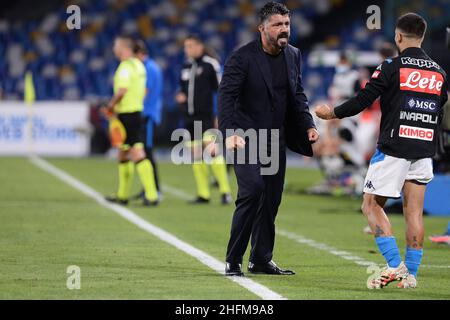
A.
pixel 116 98
pixel 231 84
pixel 377 84
pixel 122 81
pixel 182 92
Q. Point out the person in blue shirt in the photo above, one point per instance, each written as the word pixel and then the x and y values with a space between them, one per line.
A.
pixel 151 115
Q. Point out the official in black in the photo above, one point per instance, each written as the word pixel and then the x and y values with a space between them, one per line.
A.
pixel 261 88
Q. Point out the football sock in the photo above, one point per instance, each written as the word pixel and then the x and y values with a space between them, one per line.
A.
pixel 126 172
pixel 201 179
pixel 145 172
pixel 149 153
pixel 389 249
pixel 448 229
pixel 413 257
pixel 219 169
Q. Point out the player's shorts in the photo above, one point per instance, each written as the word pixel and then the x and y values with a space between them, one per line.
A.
pixel 387 175
pixel 132 123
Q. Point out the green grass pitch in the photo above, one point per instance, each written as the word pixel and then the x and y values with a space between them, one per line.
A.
pixel 46 226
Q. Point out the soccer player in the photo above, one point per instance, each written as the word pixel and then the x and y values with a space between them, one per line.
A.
pixel 127 103
pixel 199 82
pixel 151 115
pixel 413 89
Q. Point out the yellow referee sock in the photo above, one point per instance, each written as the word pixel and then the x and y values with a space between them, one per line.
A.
pixel 146 175
pixel 219 169
pixel 126 173
pixel 201 176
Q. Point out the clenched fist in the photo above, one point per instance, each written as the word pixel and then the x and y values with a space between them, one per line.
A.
pixel 234 142
pixel 313 135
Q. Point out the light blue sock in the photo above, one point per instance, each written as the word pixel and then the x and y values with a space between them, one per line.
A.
pixel 389 249
pixel 448 229
pixel 413 257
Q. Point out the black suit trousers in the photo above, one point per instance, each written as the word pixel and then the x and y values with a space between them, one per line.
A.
pixel 258 199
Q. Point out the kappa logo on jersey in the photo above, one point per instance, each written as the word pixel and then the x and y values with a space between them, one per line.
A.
pixel 420 62
pixel 421 81
pixel 369 185
pixel 421 104
pixel 416 133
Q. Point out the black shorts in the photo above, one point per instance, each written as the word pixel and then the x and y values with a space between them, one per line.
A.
pixel 132 123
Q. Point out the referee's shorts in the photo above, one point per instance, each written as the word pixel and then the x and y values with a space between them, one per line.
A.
pixel 132 123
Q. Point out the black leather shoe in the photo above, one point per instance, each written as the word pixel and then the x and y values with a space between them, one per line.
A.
pixel 148 203
pixel 234 269
pixel 114 199
pixel 268 268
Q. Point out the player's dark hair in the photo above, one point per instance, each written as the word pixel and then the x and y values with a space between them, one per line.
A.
pixel 270 9
pixel 412 25
pixel 206 49
pixel 140 47
pixel 194 37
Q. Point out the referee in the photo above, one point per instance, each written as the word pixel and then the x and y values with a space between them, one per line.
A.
pixel 127 103
pixel 199 82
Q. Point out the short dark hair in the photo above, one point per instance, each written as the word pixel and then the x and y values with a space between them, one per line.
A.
pixel 412 25
pixel 140 47
pixel 270 9
pixel 195 37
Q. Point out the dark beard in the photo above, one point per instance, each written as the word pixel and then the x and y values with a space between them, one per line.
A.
pixel 283 36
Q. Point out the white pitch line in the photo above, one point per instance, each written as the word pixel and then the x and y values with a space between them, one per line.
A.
pixel 302 240
pixel 218 266
pixel 324 247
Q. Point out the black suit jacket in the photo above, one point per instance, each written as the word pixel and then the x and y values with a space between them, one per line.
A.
pixel 246 99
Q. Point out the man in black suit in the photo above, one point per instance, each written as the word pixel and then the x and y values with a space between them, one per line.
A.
pixel 261 88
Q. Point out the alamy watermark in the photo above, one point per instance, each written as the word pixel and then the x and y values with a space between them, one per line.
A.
pixel 261 147
pixel 375 273
pixel 74 20
pixel 373 22
pixel 74 279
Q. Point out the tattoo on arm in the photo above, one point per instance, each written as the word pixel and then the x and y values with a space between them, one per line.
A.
pixel 378 231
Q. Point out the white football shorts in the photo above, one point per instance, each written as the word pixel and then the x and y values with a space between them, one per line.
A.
pixel 387 175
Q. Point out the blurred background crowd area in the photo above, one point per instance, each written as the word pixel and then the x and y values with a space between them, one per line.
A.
pixel 79 64
pixel 339 54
